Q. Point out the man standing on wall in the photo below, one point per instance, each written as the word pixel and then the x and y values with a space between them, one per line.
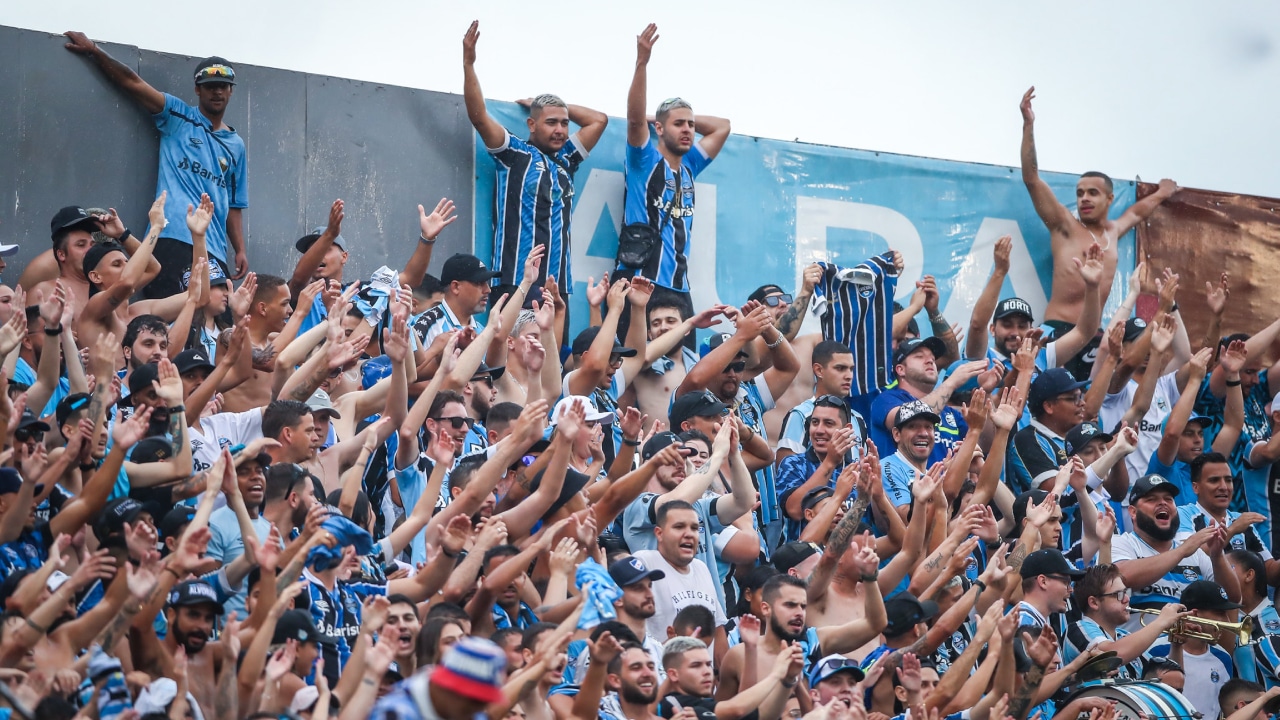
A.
pixel 660 177
pixel 533 195
pixel 199 154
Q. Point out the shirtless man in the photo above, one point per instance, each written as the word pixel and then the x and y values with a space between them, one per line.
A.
pixel 1073 234
pixel 73 229
pixel 655 384
pixel 117 277
pixel 193 610
pixel 784 604
pixel 269 310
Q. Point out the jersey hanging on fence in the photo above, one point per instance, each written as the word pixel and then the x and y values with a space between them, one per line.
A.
pixel 855 307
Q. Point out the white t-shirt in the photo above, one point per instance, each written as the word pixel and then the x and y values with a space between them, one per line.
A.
pixel 1206 674
pixel 678 590
pixel 219 431
pixel 1128 546
pixel 1150 427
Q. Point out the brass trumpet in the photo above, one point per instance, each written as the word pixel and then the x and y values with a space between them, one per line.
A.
pixel 1243 630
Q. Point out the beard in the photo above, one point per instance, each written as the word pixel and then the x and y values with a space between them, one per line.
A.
pixel 639 611
pixel 193 642
pixel 634 695
pixel 1147 524
pixel 783 632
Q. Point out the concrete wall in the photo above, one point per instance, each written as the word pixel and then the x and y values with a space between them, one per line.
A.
pixel 68 137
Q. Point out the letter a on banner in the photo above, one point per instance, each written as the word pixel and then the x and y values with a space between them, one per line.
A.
pixel 974 270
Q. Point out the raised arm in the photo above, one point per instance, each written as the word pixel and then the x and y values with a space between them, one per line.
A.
pixel 1167 451
pixel 93 498
pixel 1143 208
pixel 491 131
pixel 1054 214
pixel 595 361
pixel 791 320
pixel 591 125
pixel 976 344
pixel 1086 327
pixel 1141 572
pixel 714 131
pixel 118 73
pixel 637 118
pixel 429 228
pixel 314 255
pixel 104 303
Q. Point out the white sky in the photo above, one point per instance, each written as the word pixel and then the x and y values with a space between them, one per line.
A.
pixel 1170 89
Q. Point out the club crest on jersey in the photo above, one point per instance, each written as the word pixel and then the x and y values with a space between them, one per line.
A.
pixel 1272 626
pixel 1190 574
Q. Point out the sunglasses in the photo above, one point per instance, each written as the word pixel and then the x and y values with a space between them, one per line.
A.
pixel 776 300
pixel 457 422
pixel 736 367
pixel 836 664
pixel 25 435
pixel 486 379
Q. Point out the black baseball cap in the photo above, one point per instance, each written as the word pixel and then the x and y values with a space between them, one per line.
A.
pixel 69 217
pixel 1021 502
pixel 98 253
pixel 914 410
pixel 695 404
pixel 192 359
pixel 760 293
pixel 718 339
pixel 1049 561
pixel 70 404
pixel 174 520
pixel 196 592
pixel 1081 435
pixel 115 515
pixel 30 423
pixel 631 570
pixel 905 611
pixel 907 347
pixel 142 377
pixel 574 481
pixel 658 443
pixel 1133 328
pixel 1150 483
pixel 466 268
pixel 815 496
pixel 214 70
pixel 1207 595
pixel 1050 384
pixel 582 343
pixel 793 553
pixel 297 625
pixel 10 480
pixel 305 242
pixel 156 448
pixel 1014 306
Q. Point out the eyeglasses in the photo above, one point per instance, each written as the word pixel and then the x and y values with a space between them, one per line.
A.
pixel 486 379
pixel 458 422
pixel 736 367
pixel 1060 578
pixel 616 360
pixel 1121 595
pixel 776 300
pixel 1074 398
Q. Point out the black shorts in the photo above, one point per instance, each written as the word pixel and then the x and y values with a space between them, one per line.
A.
pixel 174 257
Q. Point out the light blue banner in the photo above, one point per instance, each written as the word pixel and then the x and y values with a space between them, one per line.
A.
pixel 767 208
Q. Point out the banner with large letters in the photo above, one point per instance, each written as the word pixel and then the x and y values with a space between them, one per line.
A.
pixel 767 208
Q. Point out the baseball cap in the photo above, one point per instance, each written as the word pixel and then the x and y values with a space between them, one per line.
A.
pixel 474 668
pixel 214 70
pixel 1133 328
pixel 466 268
pixel 1148 484
pixel 582 343
pixel 142 377
pixel 98 253
pixel 70 404
pixel 1013 306
pixel 631 570
pixel 914 410
pixel 320 402
pixel 297 625
pixel 658 443
pixel 305 242
pixel 815 496
pixel 193 359
pixel 907 347
pixel 832 665
pixel 1050 384
pixel 1207 595
pixel 494 372
pixel 216 276
pixel 174 520
pixel 905 611
pixel 30 423
pixel 156 448
pixel 1081 435
pixel 1203 420
pixel 695 404
pixel 593 415
pixel 1049 561
pixel 69 217
pixel 194 592
pixel 574 481
pixel 1021 502
pixel 969 385
pixel 764 291
pixel 115 515
pixel 10 480
pixel 7 250
pixel 793 553
pixel 717 340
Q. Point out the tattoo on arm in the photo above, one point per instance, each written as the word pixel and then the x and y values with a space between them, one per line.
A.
pixel 1020 703
pixel 111 634
pixel 790 320
pixel 177 429
pixel 933 562
pixel 1017 556
pixel 291 573
pixel 840 537
pixel 192 486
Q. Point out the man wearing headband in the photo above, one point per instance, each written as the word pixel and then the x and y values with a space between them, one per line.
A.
pixel 199 155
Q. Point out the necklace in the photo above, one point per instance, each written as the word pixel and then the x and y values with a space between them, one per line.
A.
pixel 1095 237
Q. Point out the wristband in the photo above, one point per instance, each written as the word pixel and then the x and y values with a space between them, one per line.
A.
pixel 630 443
pixel 1233 383
pixel 1174 308
pixel 178 408
pixel 982 587
pixel 870 578
pixel 789 685
pixel 168 569
pixel 88 466
pixel 447 554
pixel 423 239
pixel 123 235
pixel 53 332
pixel 31 623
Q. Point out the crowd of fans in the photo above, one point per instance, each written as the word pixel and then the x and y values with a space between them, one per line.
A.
pixel 226 494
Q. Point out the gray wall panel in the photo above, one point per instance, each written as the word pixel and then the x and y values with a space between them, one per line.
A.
pixel 67 136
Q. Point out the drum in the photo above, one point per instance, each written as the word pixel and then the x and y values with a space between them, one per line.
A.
pixel 1153 699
